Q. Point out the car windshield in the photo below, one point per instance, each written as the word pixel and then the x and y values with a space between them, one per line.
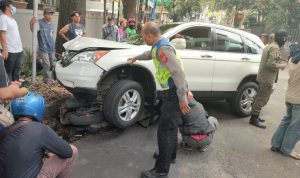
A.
pixel 138 39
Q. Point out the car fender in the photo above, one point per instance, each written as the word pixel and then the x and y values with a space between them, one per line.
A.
pixel 118 58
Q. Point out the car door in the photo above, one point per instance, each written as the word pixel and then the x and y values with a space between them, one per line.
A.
pixel 198 59
pixel 253 51
pixel 232 62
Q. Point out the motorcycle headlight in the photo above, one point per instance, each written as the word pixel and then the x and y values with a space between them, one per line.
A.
pixel 89 56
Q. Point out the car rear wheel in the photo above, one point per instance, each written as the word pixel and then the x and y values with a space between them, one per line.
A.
pixel 124 103
pixel 242 102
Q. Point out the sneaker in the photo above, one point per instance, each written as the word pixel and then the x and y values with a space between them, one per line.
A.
pixel 203 149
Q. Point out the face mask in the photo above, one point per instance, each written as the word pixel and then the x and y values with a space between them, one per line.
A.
pixel 13 10
pixel 280 42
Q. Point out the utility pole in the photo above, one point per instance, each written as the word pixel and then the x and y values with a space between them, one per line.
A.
pixel 34 41
pixel 113 8
pixel 104 12
pixel 118 17
pixel 138 11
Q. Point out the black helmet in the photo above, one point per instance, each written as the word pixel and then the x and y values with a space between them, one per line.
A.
pixel 280 36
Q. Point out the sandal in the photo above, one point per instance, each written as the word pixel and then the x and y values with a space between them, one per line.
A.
pixel 295 155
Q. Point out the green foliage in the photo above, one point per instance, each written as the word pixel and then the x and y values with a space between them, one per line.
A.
pixel 238 4
pixel 273 14
pixel 282 14
pixel 26 70
pixel 233 6
pixel 276 20
pixel 251 20
pixel 165 27
pixel 182 8
pixel 136 39
pixel 27 64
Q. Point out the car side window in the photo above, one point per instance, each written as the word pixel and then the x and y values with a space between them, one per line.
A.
pixel 252 47
pixel 229 42
pixel 197 38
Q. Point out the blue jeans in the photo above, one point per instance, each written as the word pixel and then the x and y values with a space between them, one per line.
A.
pixel 288 132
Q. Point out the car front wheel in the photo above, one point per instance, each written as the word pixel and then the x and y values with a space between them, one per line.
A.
pixel 242 102
pixel 124 103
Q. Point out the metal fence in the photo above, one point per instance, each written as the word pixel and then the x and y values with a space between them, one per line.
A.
pixel 294 34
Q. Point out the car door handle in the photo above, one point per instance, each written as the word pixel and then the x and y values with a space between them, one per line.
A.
pixel 206 56
pixel 245 59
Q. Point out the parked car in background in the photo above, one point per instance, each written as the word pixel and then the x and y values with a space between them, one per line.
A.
pixel 220 63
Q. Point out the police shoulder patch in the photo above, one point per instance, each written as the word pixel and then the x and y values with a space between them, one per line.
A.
pixel 163 57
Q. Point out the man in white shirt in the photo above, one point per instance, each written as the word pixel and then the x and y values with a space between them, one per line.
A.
pixel 11 45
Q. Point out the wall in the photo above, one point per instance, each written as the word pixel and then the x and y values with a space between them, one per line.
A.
pixel 94 22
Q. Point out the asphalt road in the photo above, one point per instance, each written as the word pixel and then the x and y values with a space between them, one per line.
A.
pixel 238 149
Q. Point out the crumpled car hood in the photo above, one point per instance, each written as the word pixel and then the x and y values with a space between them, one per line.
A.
pixel 81 43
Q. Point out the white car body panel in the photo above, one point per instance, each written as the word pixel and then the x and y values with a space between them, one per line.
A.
pixel 87 75
pixel 119 57
pixel 200 76
pixel 80 43
pixel 221 72
pixel 222 68
pixel 230 70
pixel 183 26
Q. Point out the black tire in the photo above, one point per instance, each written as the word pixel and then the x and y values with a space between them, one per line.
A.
pixel 85 120
pixel 114 98
pixel 236 103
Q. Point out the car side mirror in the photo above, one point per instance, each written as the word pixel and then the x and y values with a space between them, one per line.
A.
pixel 179 43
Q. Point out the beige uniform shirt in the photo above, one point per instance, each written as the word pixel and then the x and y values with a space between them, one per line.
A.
pixel 269 65
pixel 293 91
pixel 173 65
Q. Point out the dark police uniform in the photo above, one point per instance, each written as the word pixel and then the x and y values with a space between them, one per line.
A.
pixel 170 75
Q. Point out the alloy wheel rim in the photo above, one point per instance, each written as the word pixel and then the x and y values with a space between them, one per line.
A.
pixel 247 99
pixel 129 105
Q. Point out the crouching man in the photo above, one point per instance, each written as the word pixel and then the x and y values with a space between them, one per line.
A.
pixel 197 128
pixel 24 143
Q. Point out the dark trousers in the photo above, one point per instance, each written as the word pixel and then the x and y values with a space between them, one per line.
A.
pixel 167 132
pixel 13 65
pixel 261 99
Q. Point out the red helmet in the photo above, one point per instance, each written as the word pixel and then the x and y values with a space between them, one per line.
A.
pixel 131 20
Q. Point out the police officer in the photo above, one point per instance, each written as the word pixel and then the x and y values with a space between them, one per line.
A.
pixel 170 75
pixel 267 75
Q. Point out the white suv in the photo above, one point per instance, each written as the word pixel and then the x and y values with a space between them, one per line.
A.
pixel 220 63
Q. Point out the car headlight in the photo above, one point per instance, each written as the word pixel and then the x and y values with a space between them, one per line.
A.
pixel 89 56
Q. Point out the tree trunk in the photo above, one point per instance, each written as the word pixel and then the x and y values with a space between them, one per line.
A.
pixel 65 9
pixel 113 9
pixel 129 8
pixel 104 12
pixel 118 16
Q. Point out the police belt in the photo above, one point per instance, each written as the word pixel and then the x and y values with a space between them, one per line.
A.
pixel 167 94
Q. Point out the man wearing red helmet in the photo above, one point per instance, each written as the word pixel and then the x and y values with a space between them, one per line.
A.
pixel 131 29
